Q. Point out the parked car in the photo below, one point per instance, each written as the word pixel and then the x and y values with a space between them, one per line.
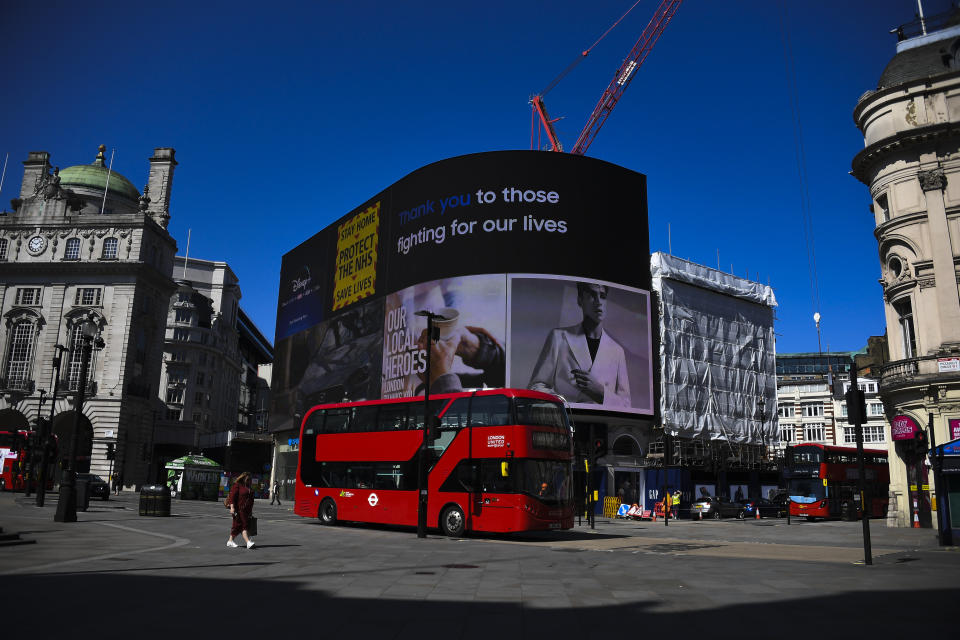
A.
pixel 767 508
pixel 98 488
pixel 716 508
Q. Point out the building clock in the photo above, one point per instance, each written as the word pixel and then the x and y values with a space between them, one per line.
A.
pixel 36 244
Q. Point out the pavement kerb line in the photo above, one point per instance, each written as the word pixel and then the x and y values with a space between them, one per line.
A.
pixel 176 542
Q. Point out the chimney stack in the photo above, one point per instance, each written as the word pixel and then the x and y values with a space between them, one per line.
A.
pixel 160 182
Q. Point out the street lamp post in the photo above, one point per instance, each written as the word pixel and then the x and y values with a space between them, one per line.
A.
pixel 944 533
pixel 67 504
pixel 422 484
pixel 47 427
pixel 29 471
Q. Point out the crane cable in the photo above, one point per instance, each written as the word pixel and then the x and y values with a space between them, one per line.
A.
pixel 807 218
pixel 586 52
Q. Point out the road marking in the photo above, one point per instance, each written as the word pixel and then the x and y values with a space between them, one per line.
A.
pixel 175 542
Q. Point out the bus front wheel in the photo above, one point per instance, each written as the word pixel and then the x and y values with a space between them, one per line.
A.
pixel 452 522
pixel 328 512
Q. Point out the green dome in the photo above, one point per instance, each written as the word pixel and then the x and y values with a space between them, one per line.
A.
pixel 94 176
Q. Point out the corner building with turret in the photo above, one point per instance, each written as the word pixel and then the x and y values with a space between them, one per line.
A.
pixel 911 163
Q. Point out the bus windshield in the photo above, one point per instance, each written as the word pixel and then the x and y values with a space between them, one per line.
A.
pixel 804 490
pixel 543 413
pixel 808 455
pixel 545 480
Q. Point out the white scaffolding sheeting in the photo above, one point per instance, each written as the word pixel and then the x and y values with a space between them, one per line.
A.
pixel 717 353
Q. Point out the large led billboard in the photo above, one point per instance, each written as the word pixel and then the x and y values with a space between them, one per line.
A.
pixel 539 262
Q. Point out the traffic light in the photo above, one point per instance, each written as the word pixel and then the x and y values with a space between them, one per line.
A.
pixel 111 451
pixel 600 446
pixel 856 405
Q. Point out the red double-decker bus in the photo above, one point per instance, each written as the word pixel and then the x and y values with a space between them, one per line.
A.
pixel 822 481
pixel 501 462
pixel 13 448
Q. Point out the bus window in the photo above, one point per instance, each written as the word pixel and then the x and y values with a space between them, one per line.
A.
pixel 337 420
pixel 314 423
pixel 364 418
pixel 489 411
pixel 416 412
pixel 540 413
pixel 803 454
pixel 456 416
pixel 309 468
pixel 393 417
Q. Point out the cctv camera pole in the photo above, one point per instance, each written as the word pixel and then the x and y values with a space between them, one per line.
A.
pixel 666 486
pixel 46 428
pixel 67 504
pixel 591 465
pixel 422 464
pixel 855 410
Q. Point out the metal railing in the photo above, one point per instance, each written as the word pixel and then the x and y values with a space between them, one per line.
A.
pixel 906 371
pixel 16 384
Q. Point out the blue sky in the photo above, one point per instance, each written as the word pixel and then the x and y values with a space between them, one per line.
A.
pixel 287 115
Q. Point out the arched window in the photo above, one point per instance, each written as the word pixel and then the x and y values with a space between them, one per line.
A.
pixel 626 446
pixel 73 249
pixel 76 358
pixel 22 334
pixel 110 248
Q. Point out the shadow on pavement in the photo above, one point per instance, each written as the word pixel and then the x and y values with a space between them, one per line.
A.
pixel 115 606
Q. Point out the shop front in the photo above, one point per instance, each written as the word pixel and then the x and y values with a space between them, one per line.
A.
pixel 946 457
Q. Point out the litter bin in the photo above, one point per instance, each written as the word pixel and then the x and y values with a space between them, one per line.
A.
pixel 83 494
pixel 155 500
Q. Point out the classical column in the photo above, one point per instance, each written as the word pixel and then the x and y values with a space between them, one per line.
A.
pixel 933 182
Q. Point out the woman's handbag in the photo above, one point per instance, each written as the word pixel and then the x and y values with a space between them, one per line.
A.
pixel 252 526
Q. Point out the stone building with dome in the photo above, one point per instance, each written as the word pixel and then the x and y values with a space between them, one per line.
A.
pixel 911 164
pixel 82 243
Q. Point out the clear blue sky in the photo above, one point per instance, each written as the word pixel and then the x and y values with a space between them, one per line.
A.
pixel 287 115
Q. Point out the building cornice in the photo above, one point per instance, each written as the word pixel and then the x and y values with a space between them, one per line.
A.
pixel 75 270
pixel 864 161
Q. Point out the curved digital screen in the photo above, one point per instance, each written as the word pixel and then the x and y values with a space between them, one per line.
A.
pixel 537 262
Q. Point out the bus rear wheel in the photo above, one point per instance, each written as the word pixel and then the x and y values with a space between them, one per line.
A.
pixel 452 522
pixel 328 512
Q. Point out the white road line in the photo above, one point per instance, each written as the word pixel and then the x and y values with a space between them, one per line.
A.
pixel 175 542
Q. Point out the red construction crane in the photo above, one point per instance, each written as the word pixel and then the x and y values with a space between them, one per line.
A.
pixel 623 76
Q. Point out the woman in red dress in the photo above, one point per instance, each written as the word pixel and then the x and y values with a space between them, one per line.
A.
pixel 241 508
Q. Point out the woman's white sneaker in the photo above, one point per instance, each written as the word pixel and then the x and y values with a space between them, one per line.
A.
pixel 231 543
pixel 250 544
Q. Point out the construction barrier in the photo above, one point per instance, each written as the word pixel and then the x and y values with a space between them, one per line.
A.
pixel 610 506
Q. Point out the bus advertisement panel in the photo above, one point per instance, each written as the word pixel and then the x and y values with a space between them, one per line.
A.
pixel 537 261
pixel 822 481
pixel 499 461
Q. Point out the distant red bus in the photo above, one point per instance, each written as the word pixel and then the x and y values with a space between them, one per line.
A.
pixel 13 447
pixel 822 481
pixel 501 463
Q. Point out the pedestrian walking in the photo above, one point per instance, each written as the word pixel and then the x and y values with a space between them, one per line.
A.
pixel 275 494
pixel 117 484
pixel 240 501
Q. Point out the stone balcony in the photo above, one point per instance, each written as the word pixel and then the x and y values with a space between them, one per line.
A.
pixel 915 372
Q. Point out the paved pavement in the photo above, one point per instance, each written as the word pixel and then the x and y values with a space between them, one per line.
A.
pixel 116 574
